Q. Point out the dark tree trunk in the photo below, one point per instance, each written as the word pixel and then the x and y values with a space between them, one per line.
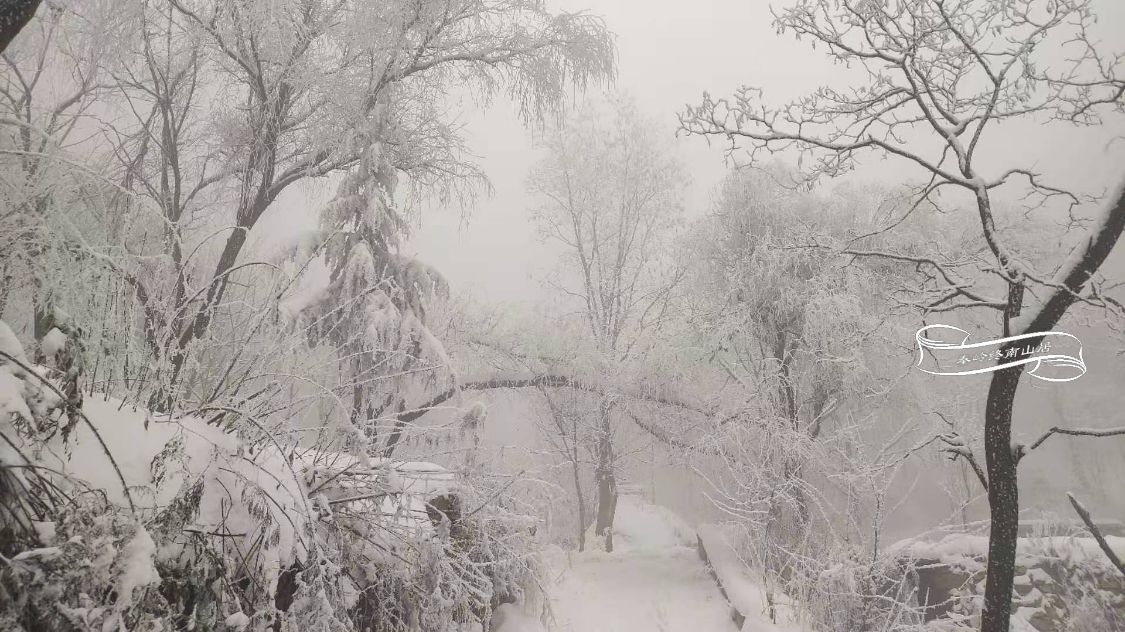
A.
pixel 43 316
pixel 1003 499
pixel 14 15
pixel 1000 457
pixel 607 501
pixel 607 507
pixel 607 480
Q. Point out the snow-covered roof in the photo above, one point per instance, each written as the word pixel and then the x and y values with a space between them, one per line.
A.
pixel 958 548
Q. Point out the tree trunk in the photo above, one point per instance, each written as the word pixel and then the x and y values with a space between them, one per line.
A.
pixel 581 510
pixel 607 507
pixel 581 498
pixel 607 500
pixel 14 15
pixel 5 287
pixel 1003 499
pixel 607 480
pixel 793 475
pixel 791 465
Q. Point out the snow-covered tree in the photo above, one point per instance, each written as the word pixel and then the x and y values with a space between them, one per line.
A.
pixel 234 364
pixel 213 111
pixel 936 79
pixel 609 195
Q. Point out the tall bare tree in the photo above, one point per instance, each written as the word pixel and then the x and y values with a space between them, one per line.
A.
pixel 937 79
pixel 610 196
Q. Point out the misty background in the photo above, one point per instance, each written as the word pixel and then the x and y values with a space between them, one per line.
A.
pixel 513 316
pixel 669 53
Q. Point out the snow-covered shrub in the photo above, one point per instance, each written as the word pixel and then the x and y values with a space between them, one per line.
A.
pixel 26 406
pixel 74 560
pixel 95 571
pixel 141 521
pixel 233 532
pixel 425 547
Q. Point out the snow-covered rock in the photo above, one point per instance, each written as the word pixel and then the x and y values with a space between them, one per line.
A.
pixel 52 343
pixel 1058 579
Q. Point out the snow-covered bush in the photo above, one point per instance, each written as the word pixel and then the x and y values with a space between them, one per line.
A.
pixel 142 521
pixel 26 404
pixel 95 570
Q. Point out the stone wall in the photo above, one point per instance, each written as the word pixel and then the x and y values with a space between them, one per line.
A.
pixel 1062 583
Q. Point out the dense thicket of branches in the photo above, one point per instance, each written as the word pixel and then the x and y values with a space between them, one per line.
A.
pixel 148 150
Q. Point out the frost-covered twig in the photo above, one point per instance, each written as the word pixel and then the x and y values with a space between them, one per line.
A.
pixel 956 448
pixel 1078 432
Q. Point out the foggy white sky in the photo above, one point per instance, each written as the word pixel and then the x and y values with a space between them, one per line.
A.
pixel 670 51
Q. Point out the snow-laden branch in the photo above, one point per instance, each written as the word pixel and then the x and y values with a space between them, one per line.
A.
pixel 1071 278
pixel 956 448
pixel 540 381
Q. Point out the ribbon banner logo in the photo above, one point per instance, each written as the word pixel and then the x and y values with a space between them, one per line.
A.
pixel 946 350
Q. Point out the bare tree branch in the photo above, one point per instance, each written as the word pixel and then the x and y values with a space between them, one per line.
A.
pixel 1093 528
pixel 1078 432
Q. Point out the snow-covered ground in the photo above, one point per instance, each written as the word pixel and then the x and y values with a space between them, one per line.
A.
pixel 654 581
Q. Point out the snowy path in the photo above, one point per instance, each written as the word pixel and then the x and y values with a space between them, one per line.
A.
pixel 661 591
pixel 654 581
